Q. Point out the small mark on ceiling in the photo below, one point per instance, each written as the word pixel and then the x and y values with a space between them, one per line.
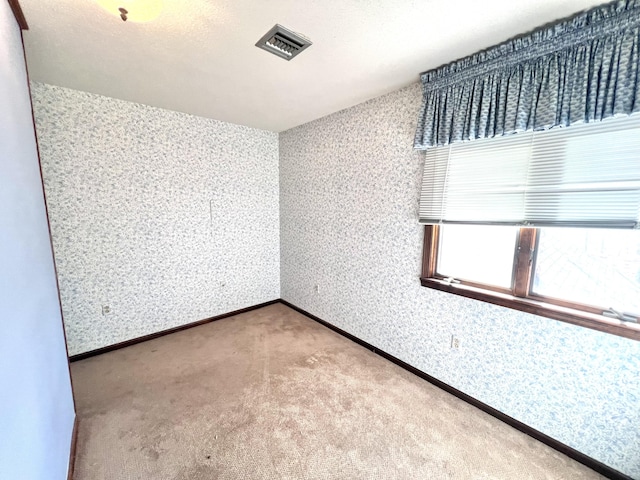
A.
pixel 139 11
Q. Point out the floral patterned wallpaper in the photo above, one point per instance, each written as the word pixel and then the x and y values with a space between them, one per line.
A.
pixel 169 218
pixel 166 218
pixel 351 253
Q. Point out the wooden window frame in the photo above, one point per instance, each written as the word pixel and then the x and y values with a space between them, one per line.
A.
pixel 520 297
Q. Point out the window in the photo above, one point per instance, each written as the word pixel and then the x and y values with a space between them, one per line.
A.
pixel 589 267
pixel 584 276
pixel 544 222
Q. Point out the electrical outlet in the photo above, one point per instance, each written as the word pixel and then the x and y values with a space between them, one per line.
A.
pixel 455 342
pixel 106 309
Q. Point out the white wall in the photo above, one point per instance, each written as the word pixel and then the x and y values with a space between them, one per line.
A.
pixel 167 218
pixel 348 205
pixel 36 405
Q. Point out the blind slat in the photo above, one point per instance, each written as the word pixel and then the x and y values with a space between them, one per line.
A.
pixel 586 175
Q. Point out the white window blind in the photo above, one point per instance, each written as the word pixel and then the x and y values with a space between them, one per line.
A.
pixel 583 175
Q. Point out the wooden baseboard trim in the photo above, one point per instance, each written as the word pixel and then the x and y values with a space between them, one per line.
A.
pixel 72 450
pixel 592 463
pixel 133 341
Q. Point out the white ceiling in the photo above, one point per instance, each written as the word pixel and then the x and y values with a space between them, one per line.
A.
pixel 199 56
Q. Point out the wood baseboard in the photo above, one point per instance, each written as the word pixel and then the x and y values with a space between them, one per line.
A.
pixel 72 450
pixel 133 341
pixel 592 463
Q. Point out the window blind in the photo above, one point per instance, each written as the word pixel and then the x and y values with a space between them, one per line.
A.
pixel 583 176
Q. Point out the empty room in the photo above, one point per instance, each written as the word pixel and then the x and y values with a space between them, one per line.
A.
pixel 389 239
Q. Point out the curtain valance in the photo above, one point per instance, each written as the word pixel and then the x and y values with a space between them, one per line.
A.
pixel 582 69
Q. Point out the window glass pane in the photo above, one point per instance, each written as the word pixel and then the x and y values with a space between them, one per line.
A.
pixel 593 267
pixel 478 253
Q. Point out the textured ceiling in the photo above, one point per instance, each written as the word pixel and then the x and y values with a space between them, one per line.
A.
pixel 199 56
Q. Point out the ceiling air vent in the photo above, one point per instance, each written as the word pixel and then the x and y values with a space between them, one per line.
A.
pixel 283 42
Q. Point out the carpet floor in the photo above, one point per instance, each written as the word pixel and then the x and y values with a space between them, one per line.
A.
pixel 270 394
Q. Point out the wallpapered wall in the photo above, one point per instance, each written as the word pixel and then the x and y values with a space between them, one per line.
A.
pixel 166 218
pixel 349 187
pixel 169 218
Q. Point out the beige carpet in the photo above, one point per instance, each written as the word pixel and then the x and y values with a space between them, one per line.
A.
pixel 271 394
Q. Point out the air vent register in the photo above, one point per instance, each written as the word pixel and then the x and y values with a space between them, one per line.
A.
pixel 283 42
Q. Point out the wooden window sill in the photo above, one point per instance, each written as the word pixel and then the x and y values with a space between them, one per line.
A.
pixel 564 314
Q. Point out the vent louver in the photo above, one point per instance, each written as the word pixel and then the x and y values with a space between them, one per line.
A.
pixel 283 42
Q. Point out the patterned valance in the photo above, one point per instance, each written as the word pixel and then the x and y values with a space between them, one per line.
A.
pixel 582 69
